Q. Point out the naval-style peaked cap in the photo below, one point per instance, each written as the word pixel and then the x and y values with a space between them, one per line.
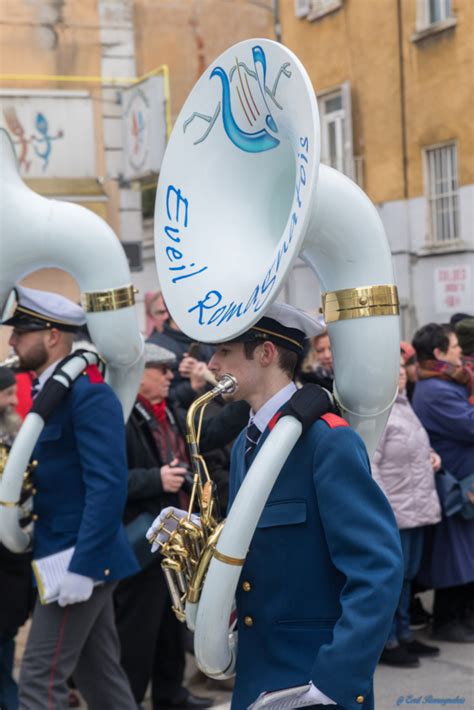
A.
pixel 32 309
pixel 283 325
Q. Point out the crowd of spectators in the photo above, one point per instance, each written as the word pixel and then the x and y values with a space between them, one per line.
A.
pixel 424 463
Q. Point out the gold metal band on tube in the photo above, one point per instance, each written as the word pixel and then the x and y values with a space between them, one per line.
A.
pixel 235 561
pixel 110 300
pixel 361 302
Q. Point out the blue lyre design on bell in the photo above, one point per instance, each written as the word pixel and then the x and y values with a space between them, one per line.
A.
pixel 251 142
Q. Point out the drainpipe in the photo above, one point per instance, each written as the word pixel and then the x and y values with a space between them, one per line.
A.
pixel 402 99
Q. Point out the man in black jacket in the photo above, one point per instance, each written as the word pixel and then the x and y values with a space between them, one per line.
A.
pixel 150 635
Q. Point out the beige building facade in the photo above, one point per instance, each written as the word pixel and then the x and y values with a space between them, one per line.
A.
pixel 394 80
pixel 394 84
pixel 91 51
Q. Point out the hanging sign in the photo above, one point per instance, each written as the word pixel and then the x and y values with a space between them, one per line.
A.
pixel 143 128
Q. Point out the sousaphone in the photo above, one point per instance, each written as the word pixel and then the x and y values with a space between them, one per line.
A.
pixel 37 232
pixel 241 195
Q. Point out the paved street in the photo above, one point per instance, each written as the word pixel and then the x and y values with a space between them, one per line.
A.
pixel 448 677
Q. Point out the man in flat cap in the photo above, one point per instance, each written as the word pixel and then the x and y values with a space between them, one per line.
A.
pixel 81 488
pixel 321 579
pixel 151 637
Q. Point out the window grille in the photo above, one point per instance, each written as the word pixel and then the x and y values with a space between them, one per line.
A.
pixel 442 193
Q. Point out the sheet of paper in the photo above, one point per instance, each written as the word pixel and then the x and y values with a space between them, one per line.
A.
pixel 49 573
pixel 281 699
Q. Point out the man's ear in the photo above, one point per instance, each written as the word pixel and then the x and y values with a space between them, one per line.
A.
pixel 53 336
pixel 268 353
pixel 439 354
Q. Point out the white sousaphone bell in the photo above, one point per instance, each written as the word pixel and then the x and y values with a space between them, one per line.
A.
pixel 241 195
pixel 37 232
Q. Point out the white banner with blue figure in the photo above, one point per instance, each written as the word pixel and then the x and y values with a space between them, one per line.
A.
pixel 52 132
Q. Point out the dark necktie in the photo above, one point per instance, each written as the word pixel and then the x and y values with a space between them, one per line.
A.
pixel 252 436
pixel 35 387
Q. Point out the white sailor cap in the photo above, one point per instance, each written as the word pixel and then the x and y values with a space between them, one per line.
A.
pixel 31 309
pixel 156 355
pixel 284 325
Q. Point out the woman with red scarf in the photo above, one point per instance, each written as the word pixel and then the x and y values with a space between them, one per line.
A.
pixel 444 402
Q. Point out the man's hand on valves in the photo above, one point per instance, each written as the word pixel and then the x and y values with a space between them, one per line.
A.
pixel 166 522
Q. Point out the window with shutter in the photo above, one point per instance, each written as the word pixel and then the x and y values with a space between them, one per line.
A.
pixel 336 130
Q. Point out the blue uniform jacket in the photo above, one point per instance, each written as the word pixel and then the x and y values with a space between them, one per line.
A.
pixel 81 482
pixel 323 574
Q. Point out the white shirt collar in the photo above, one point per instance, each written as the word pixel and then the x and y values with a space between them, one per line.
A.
pixel 271 407
pixel 46 374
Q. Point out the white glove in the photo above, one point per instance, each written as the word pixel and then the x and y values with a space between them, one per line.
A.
pixel 75 588
pixel 162 526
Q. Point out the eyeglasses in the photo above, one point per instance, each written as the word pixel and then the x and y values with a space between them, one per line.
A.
pixel 162 368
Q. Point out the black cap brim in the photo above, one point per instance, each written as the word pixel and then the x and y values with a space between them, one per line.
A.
pixel 29 323
pixel 269 329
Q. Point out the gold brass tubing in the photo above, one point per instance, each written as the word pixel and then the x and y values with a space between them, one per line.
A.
pixel 195 406
pixel 201 415
pixel 192 497
pixel 181 579
pixel 175 596
pixel 111 300
pixel 235 561
pixel 195 585
pixel 180 615
pixel 202 467
pixel 360 302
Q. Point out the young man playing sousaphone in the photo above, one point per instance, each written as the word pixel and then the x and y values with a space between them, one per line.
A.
pixel 323 574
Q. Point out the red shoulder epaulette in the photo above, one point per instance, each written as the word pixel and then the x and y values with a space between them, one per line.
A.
pixel 274 420
pixel 333 421
pixel 94 374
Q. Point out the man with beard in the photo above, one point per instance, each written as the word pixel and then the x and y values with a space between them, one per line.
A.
pixel 15 573
pixel 81 488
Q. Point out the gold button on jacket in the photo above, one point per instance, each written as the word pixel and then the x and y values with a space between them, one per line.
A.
pixel 248 621
pixel 360 699
pixel 246 586
pixel 106 572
